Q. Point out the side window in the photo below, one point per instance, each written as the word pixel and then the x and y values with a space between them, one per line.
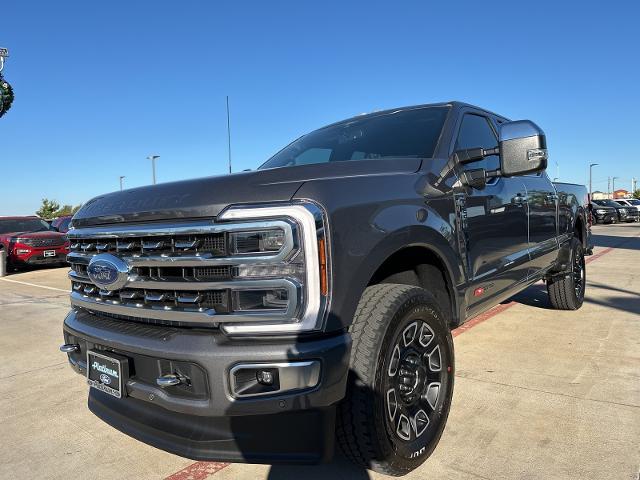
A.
pixel 475 131
pixel 313 155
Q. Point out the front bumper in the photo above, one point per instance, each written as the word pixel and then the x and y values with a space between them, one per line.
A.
pixel 38 258
pixel 204 421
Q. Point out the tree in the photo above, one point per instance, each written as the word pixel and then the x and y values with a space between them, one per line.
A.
pixel 48 208
pixel 51 209
pixel 636 194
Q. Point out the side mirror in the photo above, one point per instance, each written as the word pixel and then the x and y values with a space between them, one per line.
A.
pixel 523 148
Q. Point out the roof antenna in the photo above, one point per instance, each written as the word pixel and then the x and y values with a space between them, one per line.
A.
pixel 228 134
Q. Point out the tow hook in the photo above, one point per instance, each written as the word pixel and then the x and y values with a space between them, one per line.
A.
pixel 171 380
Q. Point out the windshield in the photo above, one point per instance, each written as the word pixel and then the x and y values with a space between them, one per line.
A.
pixel 634 201
pixel 401 134
pixel 23 225
pixel 607 203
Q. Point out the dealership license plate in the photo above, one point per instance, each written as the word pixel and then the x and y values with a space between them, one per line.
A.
pixel 107 372
pixel 49 253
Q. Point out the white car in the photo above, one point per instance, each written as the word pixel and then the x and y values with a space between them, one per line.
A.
pixel 629 202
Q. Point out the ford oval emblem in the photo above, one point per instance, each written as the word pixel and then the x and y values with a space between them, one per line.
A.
pixel 108 271
pixel 104 378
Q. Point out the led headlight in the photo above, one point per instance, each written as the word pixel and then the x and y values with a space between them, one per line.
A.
pixel 281 278
pixel 623 211
pixel 265 241
pixel 601 211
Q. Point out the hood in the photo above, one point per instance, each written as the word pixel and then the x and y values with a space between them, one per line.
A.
pixel 207 197
pixel 38 235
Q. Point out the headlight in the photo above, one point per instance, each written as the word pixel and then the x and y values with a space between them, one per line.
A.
pixel 266 241
pixel 284 260
pixel 601 211
pixel 623 211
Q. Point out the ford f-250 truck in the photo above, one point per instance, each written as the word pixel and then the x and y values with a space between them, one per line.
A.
pixel 255 317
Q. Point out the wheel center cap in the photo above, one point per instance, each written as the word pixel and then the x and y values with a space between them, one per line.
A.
pixel 411 378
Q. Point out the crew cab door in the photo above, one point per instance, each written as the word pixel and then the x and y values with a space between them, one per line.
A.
pixel 543 222
pixel 494 219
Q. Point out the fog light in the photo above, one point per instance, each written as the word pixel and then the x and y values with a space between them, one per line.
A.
pixel 265 377
pixel 21 251
pixel 250 300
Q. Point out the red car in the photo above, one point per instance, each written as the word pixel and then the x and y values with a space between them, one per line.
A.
pixel 31 241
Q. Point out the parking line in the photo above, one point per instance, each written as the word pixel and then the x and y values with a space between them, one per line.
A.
pixel 35 285
pixel 201 470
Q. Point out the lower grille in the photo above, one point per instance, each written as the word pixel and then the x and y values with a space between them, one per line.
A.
pixel 215 301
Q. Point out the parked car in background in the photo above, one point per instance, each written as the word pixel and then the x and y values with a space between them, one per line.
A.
pixel 629 202
pixel 625 214
pixel 603 213
pixel 61 224
pixel 32 241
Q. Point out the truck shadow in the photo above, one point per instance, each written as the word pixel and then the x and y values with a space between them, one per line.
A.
pixel 534 296
pixel 338 468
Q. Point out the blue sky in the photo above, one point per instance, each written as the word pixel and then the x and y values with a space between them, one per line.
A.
pixel 101 85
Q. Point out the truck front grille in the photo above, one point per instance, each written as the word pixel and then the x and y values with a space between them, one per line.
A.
pixel 180 274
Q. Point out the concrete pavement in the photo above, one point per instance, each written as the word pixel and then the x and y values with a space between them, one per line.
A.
pixel 539 393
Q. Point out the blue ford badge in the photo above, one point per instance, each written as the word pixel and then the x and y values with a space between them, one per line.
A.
pixel 108 271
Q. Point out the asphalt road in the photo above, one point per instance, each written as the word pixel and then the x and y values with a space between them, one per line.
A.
pixel 539 393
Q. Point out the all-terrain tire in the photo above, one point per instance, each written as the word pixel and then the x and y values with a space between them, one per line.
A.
pixel 566 290
pixel 400 380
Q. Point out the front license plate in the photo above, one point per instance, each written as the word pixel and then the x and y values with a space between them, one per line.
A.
pixel 49 253
pixel 107 372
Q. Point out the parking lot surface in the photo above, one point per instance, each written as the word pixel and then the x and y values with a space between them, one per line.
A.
pixel 539 393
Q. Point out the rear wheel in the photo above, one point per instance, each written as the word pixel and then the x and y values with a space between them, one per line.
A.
pixel 400 380
pixel 566 290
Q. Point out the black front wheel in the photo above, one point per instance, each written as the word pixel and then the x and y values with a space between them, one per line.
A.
pixel 400 380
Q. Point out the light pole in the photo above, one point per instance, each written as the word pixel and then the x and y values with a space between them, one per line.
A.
pixel 591 165
pixel 153 165
pixel 613 186
pixel 121 178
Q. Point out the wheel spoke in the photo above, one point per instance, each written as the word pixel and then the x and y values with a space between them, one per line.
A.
pixel 433 390
pixel 409 333
pixel 404 427
pixel 420 422
pixel 435 360
pixel 394 363
pixel 392 403
pixel 426 335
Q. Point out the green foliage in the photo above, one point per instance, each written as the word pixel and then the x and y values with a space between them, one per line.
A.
pixel 48 209
pixel 51 209
pixel 6 96
pixel 65 210
pixel 636 194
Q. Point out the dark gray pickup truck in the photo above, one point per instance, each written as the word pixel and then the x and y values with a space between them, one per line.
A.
pixel 256 317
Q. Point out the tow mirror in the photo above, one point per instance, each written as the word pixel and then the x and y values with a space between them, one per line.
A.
pixel 523 148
